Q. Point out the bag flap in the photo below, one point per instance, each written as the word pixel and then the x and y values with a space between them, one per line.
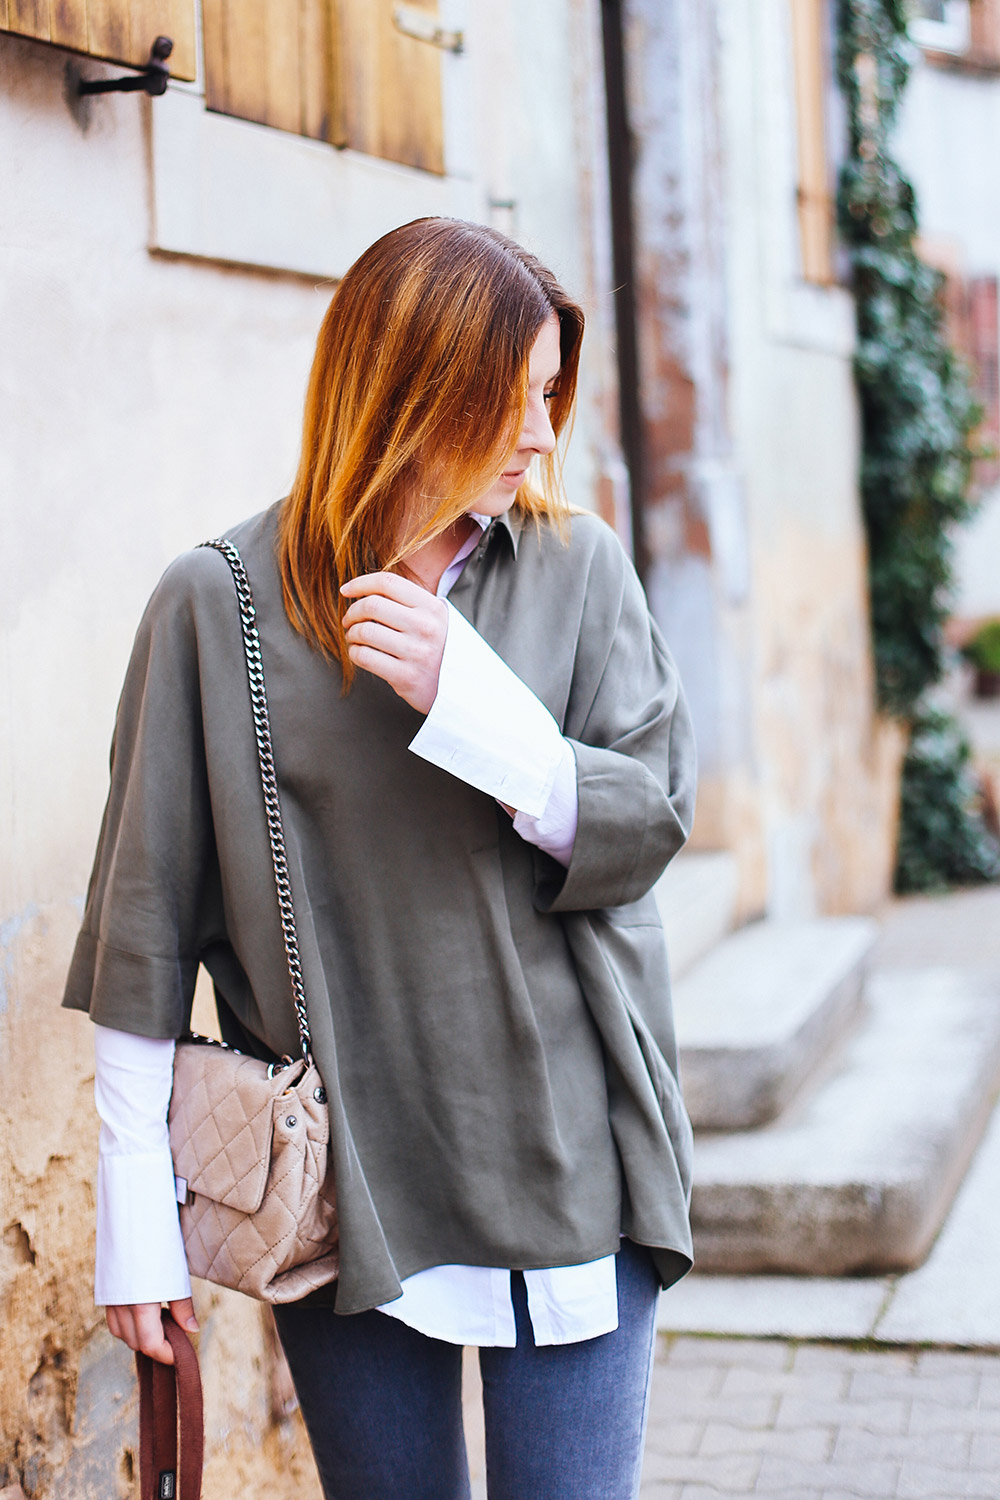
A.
pixel 221 1124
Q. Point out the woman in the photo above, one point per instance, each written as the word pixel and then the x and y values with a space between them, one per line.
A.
pixel 484 763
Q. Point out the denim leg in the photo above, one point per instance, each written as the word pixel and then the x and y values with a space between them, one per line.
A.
pixel 568 1421
pixel 382 1405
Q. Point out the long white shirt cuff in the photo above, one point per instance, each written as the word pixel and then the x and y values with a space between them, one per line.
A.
pixel 489 729
pixel 140 1253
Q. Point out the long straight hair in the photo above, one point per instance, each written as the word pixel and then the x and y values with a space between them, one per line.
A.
pixel 415 402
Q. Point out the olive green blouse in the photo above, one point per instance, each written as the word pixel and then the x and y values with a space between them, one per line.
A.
pixel 494 1031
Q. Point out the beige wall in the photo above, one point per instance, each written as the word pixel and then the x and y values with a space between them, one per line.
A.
pixel 809 796
pixel 147 400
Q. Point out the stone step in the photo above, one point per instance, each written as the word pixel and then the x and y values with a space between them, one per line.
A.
pixel 858 1177
pixel 696 895
pixel 761 1011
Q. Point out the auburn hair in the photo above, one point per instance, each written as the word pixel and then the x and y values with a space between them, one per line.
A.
pixel 415 402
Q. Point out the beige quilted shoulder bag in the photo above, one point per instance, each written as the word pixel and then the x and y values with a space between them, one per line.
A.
pixel 251 1140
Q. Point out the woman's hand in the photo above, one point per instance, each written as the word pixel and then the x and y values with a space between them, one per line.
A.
pixel 397 630
pixel 140 1326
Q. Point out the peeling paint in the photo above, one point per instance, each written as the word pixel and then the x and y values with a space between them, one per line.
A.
pixel 10 933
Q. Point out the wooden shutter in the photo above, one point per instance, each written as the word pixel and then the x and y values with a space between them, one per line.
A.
pixel 984 45
pixel 815 197
pixel 387 85
pixel 269 61
pixel 120 31
pixel 984 357
pixel 973 322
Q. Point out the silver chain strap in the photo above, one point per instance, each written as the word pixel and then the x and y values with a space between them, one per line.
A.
pixel 269 783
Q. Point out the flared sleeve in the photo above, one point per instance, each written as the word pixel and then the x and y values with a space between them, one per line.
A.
pixel 136 959
pixel 631 732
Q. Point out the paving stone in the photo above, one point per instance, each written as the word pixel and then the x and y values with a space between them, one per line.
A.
pixel 923 1482
pixel 957 1389
pixel 729 1471
pixel 710 1492
pixel 810 1444
pixel 670 1437
pixel 749 1411
pixel 761 1354
pixel 877 1416
pixel 757 1015
pixel 823 1357
pixel 989 1388
pixel 946 1362
pixel 861 1176
pixel 873 1478
pixel 817 1385
pixel 663 1468
pixel 943 1448
pixel 884 1361
pixel 933 1416
pixel 985 1451
pixel 700 1381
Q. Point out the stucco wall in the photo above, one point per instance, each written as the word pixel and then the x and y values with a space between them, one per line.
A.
pixel 826 767
pixel 754 526
pixel 147 401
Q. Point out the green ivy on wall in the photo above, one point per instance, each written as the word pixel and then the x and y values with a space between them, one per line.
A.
pixel 918 417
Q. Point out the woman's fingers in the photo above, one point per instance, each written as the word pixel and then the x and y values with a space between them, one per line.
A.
pixel 388 585
pixel 396 630
pixel 381 638
pixel 140 1326
pixel 182 1312
pixel 377 607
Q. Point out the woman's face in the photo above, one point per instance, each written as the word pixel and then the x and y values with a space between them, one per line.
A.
pixel 536 434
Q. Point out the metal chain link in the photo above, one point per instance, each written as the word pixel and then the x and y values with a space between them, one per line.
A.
pixel 269 783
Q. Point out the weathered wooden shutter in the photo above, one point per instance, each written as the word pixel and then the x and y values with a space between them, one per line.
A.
pixel 815 197
pixel 337 70
pixel 120 31
pixel 984 357
pixel 387 84
pixel 972 312
pixel 984 46
pixel 269 61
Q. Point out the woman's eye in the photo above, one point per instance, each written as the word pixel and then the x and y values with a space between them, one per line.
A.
pixel 550 395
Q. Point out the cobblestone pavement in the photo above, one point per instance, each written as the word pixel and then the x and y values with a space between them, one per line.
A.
pixel 736 1417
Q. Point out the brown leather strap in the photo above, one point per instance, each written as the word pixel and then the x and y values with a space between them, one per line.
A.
pixel 162 1390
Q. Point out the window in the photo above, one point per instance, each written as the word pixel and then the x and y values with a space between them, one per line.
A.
pixel 120 31
pixel 942 25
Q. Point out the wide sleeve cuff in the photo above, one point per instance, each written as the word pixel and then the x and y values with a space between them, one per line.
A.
pixel 555 831
pixel 487 727
pixel 140 1252
pixel 627 828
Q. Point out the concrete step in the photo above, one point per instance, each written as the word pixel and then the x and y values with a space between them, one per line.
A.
pixel 761 1011
pixel 696 895
pixel 858 1177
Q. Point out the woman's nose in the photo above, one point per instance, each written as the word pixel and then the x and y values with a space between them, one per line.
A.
pixel 537 433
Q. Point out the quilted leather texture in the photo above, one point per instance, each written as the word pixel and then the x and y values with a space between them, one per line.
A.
pixel 261 1212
